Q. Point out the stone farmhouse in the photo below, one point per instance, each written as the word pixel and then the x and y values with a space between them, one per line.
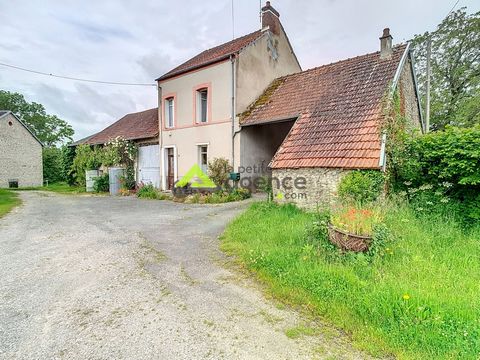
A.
pixel 249 101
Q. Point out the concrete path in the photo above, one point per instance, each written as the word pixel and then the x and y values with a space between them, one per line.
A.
pixel 93 277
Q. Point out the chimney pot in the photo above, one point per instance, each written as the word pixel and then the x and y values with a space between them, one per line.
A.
pixel 386 49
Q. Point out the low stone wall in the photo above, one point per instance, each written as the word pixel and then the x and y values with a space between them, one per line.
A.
pixel 306 187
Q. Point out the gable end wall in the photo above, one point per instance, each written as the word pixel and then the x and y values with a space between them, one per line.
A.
pixel 20 154
pixel 408 97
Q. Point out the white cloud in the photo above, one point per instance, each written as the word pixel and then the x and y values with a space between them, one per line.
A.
pixel 128 41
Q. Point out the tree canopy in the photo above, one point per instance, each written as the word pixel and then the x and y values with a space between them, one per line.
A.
pixel 49 129
pixel 455 69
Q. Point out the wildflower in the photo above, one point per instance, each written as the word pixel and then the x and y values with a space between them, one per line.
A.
pixel 445 200
pixel 406 297
pixel 408 183
pixel 426 187
pixel 402 193
pixel 429 203
pixel 447 184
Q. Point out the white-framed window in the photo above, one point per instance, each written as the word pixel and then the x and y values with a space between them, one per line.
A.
pixel 203 157
pixel 170 112
pixel 202 105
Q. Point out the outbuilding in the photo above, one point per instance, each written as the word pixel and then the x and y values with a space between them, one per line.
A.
pixel 20 153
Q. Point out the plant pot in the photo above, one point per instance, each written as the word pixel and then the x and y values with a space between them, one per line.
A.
pixel 347 241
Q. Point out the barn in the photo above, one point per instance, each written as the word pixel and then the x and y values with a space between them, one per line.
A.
pixel 141 128
pixel 20 153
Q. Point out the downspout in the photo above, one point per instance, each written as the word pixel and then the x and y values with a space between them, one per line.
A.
pixel 232 60
pixel 160 136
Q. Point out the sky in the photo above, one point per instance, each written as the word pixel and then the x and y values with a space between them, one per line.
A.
pixel 137 41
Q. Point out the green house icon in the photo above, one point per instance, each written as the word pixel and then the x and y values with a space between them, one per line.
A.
pixel 196 178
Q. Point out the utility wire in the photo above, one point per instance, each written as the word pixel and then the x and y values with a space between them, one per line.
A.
pixel 74 78
pixel 454 6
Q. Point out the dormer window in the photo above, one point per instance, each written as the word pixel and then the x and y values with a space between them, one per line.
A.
pixel 169 112
pixel 202 105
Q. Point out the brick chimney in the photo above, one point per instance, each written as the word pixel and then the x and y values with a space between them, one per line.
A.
pixel 270 18
pixel 386 44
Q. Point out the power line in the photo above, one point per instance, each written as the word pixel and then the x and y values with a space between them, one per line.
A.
pixel 453 7
pixel 74 78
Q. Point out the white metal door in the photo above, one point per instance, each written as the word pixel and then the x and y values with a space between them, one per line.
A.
pixel 149 165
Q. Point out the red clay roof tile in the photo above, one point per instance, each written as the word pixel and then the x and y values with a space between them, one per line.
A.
pixel 135 126
pixel 338 111
pixel 213 55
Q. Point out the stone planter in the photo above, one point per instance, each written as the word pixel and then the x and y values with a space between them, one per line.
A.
pixel 347 241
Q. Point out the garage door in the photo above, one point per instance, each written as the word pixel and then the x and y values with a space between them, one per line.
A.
pixel 149 165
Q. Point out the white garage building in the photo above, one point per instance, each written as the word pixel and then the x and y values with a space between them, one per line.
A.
pixel 142 128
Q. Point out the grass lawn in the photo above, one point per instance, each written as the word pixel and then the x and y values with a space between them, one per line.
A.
pixel 61 188
pixel 419 298
pixel 8 200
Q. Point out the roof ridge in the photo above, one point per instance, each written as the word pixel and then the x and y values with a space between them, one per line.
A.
pixel 190 64
pixel 340 61
pixel 228 42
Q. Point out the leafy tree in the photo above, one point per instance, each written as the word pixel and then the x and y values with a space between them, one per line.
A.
pixel 86 158
pixel 48 128
pixel 455 69
pixel 68 155
pixel 52 164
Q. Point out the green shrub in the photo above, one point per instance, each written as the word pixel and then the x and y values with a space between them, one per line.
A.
pixel 101 183
pixel 86 158
pixel 219 197
pixel 238 194
pixel 52 164
pixel 361 186
pixel 219 171
pixel 151 192
pixel 444 158
pixel 147 192
pixel 68 154
pixel 127 181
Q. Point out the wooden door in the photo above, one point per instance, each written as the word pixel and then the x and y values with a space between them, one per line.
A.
pixel 170 168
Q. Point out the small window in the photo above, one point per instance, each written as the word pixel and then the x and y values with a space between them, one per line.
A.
pixel 202 105
pixel 203 157
pixel 13 183
pixel 169 112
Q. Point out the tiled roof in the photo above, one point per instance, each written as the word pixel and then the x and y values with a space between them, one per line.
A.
pixel 339 108
pixel 213 55
pixel 135 126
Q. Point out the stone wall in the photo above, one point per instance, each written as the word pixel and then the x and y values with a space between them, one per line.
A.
pixel 408 97
pixel 306 187
pixel 20 154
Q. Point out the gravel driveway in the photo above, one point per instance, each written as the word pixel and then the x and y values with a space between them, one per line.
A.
pixel 93 277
